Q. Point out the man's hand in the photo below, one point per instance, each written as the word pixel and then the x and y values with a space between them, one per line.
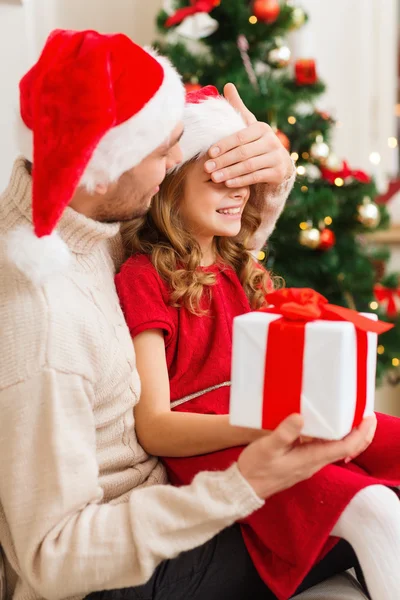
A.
pixel 277 462
pixel 253 155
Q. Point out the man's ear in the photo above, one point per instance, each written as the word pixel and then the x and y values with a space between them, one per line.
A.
pixel 101 189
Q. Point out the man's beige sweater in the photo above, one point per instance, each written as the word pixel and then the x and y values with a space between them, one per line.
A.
pixel 82 506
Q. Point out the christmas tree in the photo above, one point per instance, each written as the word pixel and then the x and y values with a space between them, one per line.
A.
pixel 320 240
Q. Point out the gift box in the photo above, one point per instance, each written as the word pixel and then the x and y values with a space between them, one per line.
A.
pixel 307 356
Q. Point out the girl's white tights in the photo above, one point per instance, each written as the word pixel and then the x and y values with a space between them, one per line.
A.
pixel 371 524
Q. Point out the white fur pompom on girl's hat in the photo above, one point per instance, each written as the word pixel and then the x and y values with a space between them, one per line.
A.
pixel 91 108
pixel 208 118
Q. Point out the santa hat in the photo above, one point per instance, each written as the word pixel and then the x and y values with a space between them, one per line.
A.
pixel 208 118
pixel 92 107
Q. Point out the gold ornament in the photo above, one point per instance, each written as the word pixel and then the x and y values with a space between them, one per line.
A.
pixel 320 150
pixel 279 57
pixel 298 18
pixel 368 213
pixel 310 238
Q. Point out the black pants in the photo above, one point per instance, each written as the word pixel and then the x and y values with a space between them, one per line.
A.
pixel 222 569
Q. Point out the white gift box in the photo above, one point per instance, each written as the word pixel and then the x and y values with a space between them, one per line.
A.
pixel 329 381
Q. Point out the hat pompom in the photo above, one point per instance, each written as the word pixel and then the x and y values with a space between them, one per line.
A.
pixel 37 258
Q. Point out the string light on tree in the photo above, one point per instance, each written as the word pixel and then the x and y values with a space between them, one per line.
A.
pixel 305 225
pixel 266 10
pixel 375 158
pixel 368 213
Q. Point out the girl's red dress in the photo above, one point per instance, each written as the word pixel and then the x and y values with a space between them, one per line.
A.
pixel 290 533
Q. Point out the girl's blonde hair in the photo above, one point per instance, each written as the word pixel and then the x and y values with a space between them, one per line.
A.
pixel 176 255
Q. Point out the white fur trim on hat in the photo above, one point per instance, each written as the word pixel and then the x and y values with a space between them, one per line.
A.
pixel 126 145
pixel 38 258
pixel 206 123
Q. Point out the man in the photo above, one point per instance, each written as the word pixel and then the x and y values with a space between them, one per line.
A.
pixel 82 507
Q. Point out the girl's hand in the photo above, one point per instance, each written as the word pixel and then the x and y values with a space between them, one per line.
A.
pixel 354 455
pixel 253 155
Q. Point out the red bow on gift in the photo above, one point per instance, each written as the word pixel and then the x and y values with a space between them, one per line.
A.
pixel 197 6
pixel 389 295
pixel 344 172
pixel 286 340
pixel 304 304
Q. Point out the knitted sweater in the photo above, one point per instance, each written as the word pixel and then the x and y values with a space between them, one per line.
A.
pixel 81 505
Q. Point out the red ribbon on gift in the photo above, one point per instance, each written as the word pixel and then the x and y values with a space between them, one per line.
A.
pixel 197 6
pixel 387 295
pixel 285 349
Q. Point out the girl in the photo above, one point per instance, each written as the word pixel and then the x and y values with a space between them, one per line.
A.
pixel 191 272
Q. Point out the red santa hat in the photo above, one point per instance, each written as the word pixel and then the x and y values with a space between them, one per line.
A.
pixel 92 107
pixel 208 118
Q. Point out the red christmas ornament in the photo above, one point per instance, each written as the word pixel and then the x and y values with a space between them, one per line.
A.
pixel 306 72
pixel 327 239
pixel 192 87
pixel 266 10
pixel 283 138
